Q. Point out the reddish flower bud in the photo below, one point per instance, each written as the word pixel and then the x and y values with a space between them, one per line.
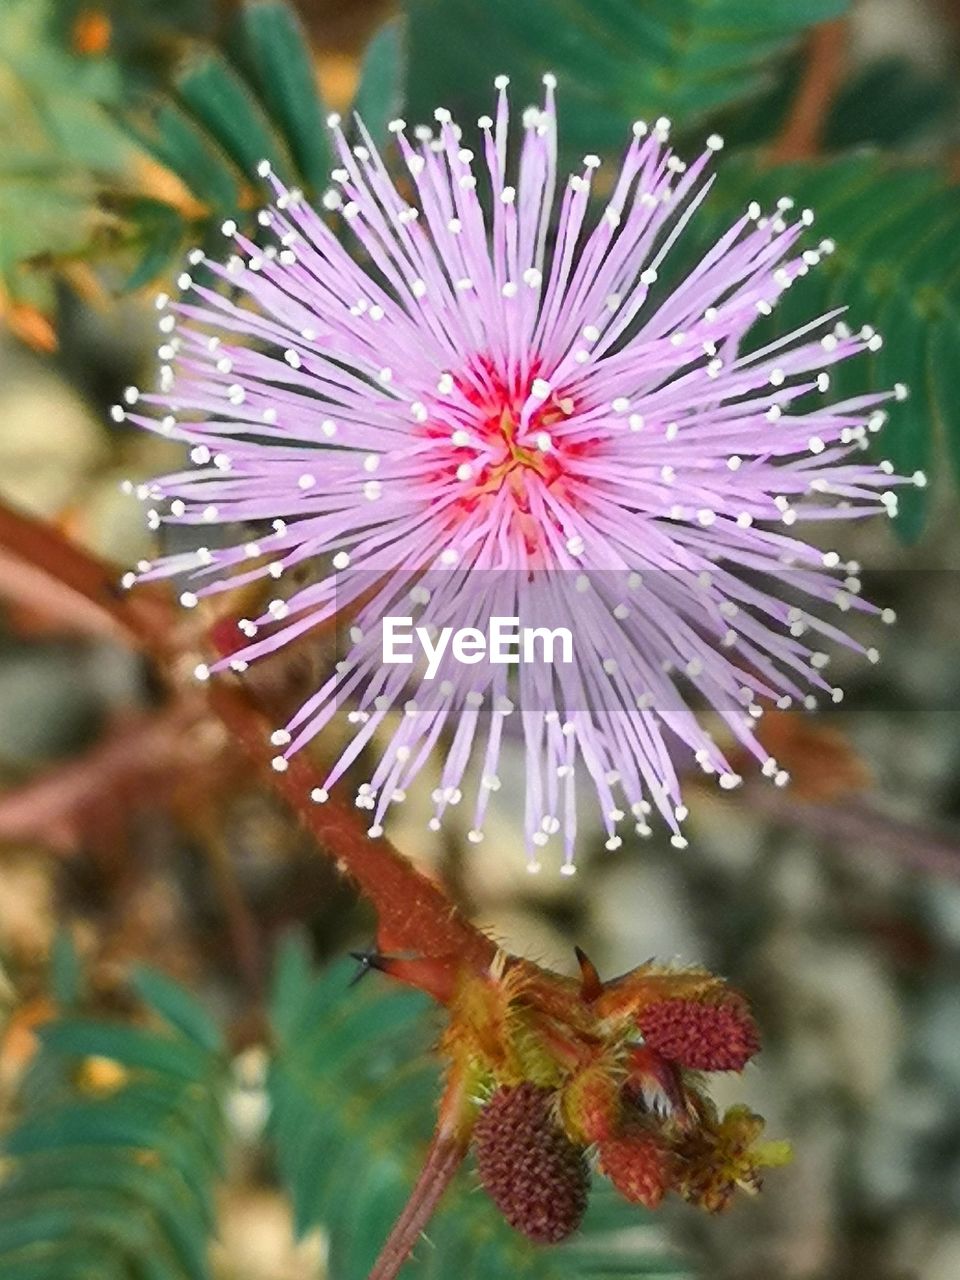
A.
pixel 639 1165
pixel 592 1103
pixel 528 1166
pixel 701 1036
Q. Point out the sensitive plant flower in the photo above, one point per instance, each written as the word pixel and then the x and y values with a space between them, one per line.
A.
pixel 549 1076
pixel 487 390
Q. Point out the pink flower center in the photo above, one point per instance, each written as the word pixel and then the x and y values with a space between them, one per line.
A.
pixel 498 450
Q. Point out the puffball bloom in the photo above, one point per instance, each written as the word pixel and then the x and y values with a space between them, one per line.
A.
pixel 487 397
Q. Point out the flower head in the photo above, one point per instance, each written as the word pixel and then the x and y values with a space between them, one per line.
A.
pixel 484 407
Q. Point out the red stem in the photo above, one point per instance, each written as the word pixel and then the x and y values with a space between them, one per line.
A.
pixel 826 62
pixel 414 913
pixel 41 569
pixel 47 571
pixel 442 1162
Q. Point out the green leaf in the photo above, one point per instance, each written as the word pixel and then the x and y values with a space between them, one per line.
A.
pixel 66 973
pixel 291 982
pixel 255 99
pixel 380 93
pixel 278 54
pixel 46 213
pixel 616 60
pixel 896 266
pixel 353 1087
pixel 225 105
pixel 178 1007
pixel 210 119
pixel 55 138
pixel 115 1179
pixel 50 97
pixel 944 380
pixel 141 33
pixel 183 146
pixel 161 232
pixel 887 103
pixel 132 1047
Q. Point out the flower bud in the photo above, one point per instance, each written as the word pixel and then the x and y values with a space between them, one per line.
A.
pixel 701 1036
pixel 538 1179
pixel 639 1165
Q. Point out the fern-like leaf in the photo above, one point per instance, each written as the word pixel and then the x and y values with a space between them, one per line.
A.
pixel 257 98
pixel 209 119
pixel 896 267
pixel 616 59
pixel 111 1166
pixel 380 92
pixel 56 144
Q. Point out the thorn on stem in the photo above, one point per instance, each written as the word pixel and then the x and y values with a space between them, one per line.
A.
pixel 591 984
pixel 366 960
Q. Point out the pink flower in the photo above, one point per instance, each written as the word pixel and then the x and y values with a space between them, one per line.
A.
pixel 482 412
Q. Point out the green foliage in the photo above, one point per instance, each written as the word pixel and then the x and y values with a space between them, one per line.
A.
pixel 210 118
pixel 143 33
pixel 616 60
pixel 225 112
pixel 380 94
pixel 121 1138
pixel 56 144
pixel 111 1165
pixel 353 1091
pixel 896 267
pixel 280 67
pixel 257 98
pixel 211 114
pixel 887 103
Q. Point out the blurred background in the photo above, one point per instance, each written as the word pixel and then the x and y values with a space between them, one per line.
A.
pixel 131 833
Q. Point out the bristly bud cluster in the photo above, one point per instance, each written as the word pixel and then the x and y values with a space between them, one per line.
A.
pixel 490 385
pixel 544 1071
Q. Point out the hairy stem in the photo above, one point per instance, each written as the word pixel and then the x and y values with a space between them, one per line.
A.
pixel 414 913
pixel 443 1160
pixel 42 570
